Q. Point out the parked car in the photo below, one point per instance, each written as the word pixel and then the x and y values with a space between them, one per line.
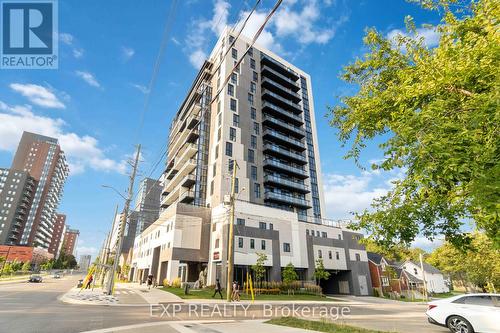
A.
pixel 470 313
pixel 35 278
pixel 56 276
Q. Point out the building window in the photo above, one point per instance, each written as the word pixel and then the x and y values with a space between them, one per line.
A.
pixel 216 151
pixel 337 255
pixel 320 254
pixel 214 170
pixel 256 128
pixel 236 185
pixel 252 243
pixel 255 76
pixel 253 87
pixel 234 53
pixel 229 149
pixel 256 190
pixel 240 221
pixel 236 120
pixel 230 90
pixel 250 50
pixel 219 134
pixel 230 165
pixel 252 63
pixel 323 234
pixel 271 226
pixel 262 225
pixel 307 232
pixel 330 255
pixel 219 117
pixel 253 141
pixel 232 134
pixel 253 113
pixel 231 39
pixel 358 257
pixel 250 98
pixel 385 281
pixel 254 172
pixel 262 244
pixel 415 271
pixel 217 243
pixel 233 105
pixel 286 247
pixel 234 78
pixel 251 156
pixel 240 242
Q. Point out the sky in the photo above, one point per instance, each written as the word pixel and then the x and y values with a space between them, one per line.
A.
pixel 107 49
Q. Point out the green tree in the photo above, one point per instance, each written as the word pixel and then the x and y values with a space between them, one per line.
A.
pixel 16 265
pixel 258 268
pixel 319 271
pixel 7 268
pixel 437 112
pixel 26 266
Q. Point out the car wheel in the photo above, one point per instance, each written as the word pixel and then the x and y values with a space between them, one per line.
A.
pixel 458 324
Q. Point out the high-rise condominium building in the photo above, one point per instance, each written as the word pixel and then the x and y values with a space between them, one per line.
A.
pixel 70 240
pixel 147 203
pixel 262 123
pixel 58 235
pixel 43 159
pixel 17 190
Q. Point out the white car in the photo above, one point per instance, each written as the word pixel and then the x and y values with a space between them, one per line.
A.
pixel 467 313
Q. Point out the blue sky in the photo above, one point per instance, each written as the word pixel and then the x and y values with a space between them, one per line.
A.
pixel 107 49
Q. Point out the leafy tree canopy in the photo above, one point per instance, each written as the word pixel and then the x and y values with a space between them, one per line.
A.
pixel 438 112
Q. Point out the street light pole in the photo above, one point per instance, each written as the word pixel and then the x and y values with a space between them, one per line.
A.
pixel 123 221
pixel 230 250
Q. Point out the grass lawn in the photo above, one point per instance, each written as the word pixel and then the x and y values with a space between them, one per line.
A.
pixel 207 294
pixel 450 294
pixel 320 326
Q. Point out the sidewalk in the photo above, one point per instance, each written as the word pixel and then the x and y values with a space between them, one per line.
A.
pixel 88 297
pixel 153 295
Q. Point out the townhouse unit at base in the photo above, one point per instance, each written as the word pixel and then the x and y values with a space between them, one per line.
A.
pixel 261 124
pixel 186 239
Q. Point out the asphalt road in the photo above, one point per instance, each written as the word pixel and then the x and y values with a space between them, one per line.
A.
pixel 34 307
pixel 27 308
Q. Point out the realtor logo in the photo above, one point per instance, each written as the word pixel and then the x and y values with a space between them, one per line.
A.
pixel 29 35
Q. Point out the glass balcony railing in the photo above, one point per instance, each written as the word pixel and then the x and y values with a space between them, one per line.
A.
pixel 303 188
pixel 288 103
pixel 289 71
pixel 286 167
pixel 288 93
pixel 278 76
pixel 286 153
pixel 294 201
pixel 285 113
pixel 286 139
pixel 295 129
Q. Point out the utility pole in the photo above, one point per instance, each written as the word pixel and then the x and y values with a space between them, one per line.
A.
pixel 106 250
pixel 423 276
pixel 123 221
pixel 230 250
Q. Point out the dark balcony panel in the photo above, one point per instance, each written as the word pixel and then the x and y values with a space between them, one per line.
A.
pixel 281 113
pixel 192 137
pixel 284 140
pixel 187 197
pixel 279 124
pixel 267 71
pixel 282 68
pixel 289 184
pixel 281 90
pixel 285 168
pixel 279 152
pixel 171 174
pixel 286 199
pixel 189 180
pixel 280 101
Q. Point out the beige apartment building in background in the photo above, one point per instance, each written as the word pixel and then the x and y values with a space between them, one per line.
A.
pixel 262 122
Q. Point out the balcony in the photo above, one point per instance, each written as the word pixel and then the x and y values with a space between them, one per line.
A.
pixel 283 153
pixel 296 131
pixel 192 121
pixel 184 170
pixel 280 89
pixel 282 113
pixel 189 180
pixel 279 67
pixel 14 237
pixel 286 199
pixel 292 185
pixel 267 71
pixel 284 140
pixel 280 101
pixel 187 196
pixel 285 168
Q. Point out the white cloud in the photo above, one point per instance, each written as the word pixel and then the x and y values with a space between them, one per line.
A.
pixel 70 40
pixel 197 57
pixel 82 250
pixel 429 34
pixel 426 244
pixel 350 193
pixel 66 38
pixel 176 42
pixel 127 53
pixel 38 95
pixel 89 78
pixel 141 88
pixel 82 151
pixel 78 53
pixel 266 38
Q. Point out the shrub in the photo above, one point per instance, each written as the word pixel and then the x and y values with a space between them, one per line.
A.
pixel 166 283
pixel 176 283
pixel 262 291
